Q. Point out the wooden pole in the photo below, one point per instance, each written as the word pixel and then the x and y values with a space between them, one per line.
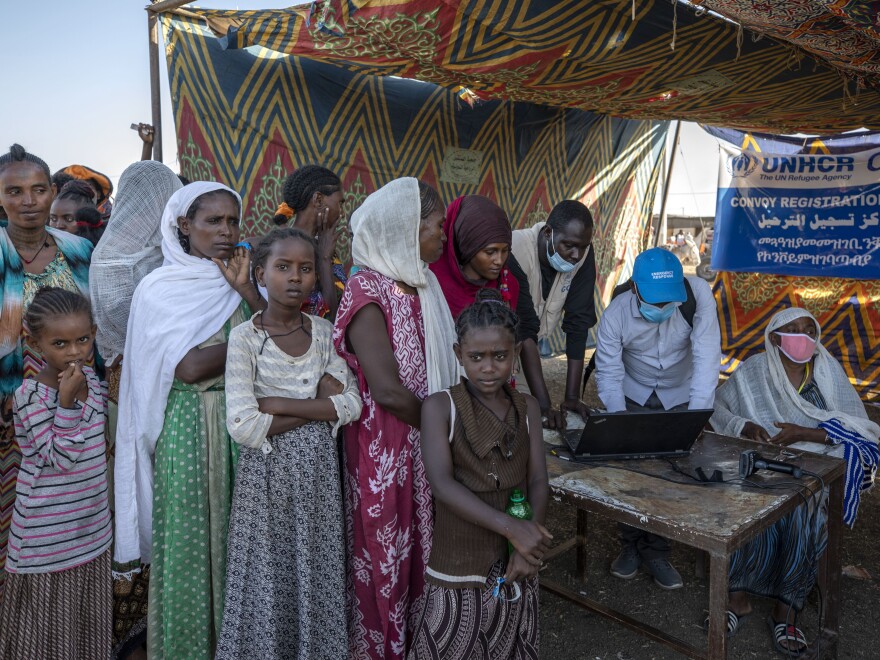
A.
pixel 166 5
pixel 661 225
pixel 155 91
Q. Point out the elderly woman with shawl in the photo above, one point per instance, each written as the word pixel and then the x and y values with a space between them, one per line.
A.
pixel 129 249
pixel 172 420
pixel 794 394
pixel 394 330
pixel 480 239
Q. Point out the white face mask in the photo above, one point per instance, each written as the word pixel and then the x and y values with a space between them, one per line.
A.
pixel 559 264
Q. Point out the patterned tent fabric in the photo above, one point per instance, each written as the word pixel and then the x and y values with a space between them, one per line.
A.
pixel 249 117
pixel 648 59
pixel 845 33
pixel 849 310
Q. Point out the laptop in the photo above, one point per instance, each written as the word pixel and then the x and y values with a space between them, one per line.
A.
pixel 621 435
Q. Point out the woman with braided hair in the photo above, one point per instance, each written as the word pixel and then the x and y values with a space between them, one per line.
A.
pixel 32 256
pixel 314 194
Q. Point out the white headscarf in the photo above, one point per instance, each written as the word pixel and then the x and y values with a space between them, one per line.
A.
pixel 176 307
pixel 129 249
pixel 759 391
pixel 386 239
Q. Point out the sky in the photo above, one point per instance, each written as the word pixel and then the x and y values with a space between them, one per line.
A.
pixel 76 76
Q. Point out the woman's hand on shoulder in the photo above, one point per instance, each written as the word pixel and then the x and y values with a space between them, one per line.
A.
pixel 755 432
pixel 795 433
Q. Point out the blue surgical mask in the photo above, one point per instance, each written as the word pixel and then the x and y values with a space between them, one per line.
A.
pixel 655 314
pixel 559 264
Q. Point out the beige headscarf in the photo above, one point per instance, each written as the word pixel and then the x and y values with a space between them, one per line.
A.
pixel 386 239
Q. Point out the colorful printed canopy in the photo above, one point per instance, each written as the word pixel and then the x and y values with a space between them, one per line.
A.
pixel 250 117
pixel 644 59
pixel 845 33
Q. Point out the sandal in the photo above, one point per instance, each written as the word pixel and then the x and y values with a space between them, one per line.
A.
pixel 733 622
pixel 787 632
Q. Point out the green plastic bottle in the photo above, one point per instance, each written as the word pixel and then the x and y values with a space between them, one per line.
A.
pixel 518 507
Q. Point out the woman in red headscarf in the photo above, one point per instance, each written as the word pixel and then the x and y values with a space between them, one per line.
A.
pixel 477 254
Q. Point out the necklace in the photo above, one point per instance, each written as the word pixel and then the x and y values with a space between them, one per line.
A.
pixel 806 378
pixel 37 253
pixel 301 326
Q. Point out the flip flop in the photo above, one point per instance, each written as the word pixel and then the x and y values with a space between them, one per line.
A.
pixel 733 622
pixel 787 632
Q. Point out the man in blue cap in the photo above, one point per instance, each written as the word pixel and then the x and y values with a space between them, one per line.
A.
pixel 658 347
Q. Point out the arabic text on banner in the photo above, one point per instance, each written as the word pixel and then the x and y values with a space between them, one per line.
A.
pixel 802 214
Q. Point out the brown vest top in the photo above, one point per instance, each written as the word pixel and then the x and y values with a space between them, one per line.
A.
pixel 490 457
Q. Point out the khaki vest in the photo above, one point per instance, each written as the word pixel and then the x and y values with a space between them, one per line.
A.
pixel 549 311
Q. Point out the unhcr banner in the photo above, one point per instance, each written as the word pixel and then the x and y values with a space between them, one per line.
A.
pixel 798 214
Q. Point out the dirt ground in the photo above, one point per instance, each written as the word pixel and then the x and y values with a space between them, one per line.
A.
pixel 569 632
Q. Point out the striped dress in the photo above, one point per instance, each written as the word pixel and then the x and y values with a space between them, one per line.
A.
pixel 58 592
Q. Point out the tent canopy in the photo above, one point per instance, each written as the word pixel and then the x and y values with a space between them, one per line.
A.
pixel 637 59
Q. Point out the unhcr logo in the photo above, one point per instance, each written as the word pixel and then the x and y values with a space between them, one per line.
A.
pixel 741 165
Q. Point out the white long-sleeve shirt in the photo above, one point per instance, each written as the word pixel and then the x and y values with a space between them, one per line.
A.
pixel 635 357
pixel 252 375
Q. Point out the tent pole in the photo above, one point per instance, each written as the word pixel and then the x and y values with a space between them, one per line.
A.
pixel 155 92
pixel 661 226
pixel 166 5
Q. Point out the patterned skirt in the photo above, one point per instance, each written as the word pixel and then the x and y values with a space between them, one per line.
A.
pixel 62 615
pixel 782 561
pixel 472 624
pixel 285 576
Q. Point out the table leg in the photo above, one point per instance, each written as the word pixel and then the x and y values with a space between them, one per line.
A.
pixel 581 545
pixel 830 576
pixel 718 597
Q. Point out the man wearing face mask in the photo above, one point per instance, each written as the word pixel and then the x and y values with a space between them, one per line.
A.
pixel 555 263
pixel 650 357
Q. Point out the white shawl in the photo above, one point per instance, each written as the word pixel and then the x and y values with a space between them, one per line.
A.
pixel 759 391
pixel 129 249
pixel 386 239
pixel 174 308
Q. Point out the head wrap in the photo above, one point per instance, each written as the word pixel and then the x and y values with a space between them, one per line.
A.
pixel 129 249
pixel 88 174
pixel 480 222
pixel 175 308
pixel 386 239
pixel 472 223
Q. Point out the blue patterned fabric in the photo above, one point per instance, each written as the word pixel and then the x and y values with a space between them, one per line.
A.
pixel 862 457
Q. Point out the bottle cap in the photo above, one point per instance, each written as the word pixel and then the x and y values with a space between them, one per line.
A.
pixel 517 495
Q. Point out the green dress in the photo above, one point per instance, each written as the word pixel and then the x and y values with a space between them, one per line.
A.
pixel 194 474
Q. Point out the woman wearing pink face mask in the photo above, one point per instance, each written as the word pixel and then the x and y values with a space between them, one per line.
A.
pixel 796 394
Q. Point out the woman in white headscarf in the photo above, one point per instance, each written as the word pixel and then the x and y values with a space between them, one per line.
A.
pixel 172 420
pixel 395 331
pixel 794 394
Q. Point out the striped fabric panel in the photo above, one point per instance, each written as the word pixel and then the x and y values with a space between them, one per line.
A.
pixel 61 517
pixel 862 458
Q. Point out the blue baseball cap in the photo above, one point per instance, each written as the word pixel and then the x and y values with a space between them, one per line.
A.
pixel 659 277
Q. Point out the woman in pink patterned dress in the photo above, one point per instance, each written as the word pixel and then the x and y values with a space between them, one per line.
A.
pixel 395 331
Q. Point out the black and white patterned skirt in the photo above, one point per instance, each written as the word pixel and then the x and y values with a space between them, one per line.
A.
pixel 285 575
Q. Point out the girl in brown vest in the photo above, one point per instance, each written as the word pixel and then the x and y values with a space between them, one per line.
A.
pixel 480 440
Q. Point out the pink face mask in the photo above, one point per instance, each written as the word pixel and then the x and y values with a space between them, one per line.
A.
pixel 797 347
